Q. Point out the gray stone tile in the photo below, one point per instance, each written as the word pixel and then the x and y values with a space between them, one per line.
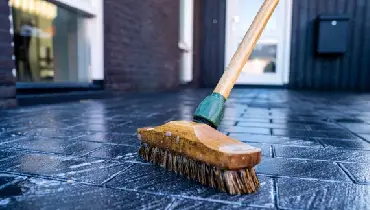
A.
pixel 297 133
pixel 357 127
pixel 82 170
pixel 111 138
pixel 330 153
pixel 301 169
pixel 53 145
pixel 37 193
pixel 271 125
pixel 345 143
pixel 315 194
pixel 117 152
pixel 153 178
pixel 310 142
pixel 264 131
pixel 366 137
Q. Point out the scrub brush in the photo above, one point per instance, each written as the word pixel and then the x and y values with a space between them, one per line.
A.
pixel 196 149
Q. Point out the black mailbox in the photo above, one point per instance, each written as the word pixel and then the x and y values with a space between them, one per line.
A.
pixel 332 34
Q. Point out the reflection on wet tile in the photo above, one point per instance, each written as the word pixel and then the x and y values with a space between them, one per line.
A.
pixel 117 152
pixel 357 127
pixel 272 125
pixel 315 194
pixel 62 146
pixel 276 140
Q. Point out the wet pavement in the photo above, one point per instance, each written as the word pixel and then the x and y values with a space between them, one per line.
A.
pixel 83 155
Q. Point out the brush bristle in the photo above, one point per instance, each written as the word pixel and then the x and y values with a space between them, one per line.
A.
pixel 234 182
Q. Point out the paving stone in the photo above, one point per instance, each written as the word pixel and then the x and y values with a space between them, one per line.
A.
pixel 62 146
pixel 6 137
pixel 357 127
pixel 253 120
pixel 329 154
pixel 111 138
pixel 301 169
pixel 37 193
pixel 117 152
pixel 366 137
pixel 345 143
pixel 82 170
pixel 316 157
pixel 265 131
pixel 310 142
pixel 313 133
pixel 316 194
pixel 7 179
pixel 156 179
pixel 360 172
pixel 271 125
pixel 62 133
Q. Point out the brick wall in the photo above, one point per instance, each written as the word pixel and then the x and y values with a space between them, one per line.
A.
pixel 141 52
pixel 7 81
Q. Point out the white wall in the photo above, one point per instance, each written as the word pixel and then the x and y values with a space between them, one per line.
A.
pixel 186 40
pixel 95 33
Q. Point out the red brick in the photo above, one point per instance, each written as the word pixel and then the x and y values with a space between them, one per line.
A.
pixel 141 39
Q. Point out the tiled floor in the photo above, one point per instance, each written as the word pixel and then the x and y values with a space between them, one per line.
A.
pixel 83 155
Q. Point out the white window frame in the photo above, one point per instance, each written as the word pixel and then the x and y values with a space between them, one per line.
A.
pixel 186 40
pixel 284 47
pixel 95 32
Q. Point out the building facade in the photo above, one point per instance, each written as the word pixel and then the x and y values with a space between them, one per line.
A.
pixel 59 46
pixel 307 44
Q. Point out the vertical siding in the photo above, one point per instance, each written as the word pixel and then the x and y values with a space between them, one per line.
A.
pixel 348 72
pixel 212 43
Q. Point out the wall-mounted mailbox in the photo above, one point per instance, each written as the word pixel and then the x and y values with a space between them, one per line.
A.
pixel 332 34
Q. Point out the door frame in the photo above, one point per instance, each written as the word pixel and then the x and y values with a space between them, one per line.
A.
pixel 283 61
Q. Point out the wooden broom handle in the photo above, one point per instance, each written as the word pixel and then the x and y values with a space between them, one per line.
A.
pixel 245 48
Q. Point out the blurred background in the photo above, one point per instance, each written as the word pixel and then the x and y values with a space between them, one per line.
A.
pixel 93 47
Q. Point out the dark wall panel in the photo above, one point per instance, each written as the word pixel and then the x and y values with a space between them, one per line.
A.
pixel 350 71
pixel 212 41
pixel 7 80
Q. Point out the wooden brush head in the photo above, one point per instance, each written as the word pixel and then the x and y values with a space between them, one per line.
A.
pixel 201 142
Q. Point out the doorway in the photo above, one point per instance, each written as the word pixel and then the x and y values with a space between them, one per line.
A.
pixel 269 62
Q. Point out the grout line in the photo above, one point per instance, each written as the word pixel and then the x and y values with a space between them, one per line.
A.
pixel 273 152
pixel 275 193
pixel 320 142
pixel 116 174
pixel 353 179
pixel 303 178
pixel 352 132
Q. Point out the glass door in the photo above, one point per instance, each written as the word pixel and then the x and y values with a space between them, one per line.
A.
pixel 268 63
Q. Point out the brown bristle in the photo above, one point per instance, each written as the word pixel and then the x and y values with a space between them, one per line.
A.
pixel 234 182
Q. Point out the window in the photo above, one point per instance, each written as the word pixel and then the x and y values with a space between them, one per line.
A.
pixel 50 43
